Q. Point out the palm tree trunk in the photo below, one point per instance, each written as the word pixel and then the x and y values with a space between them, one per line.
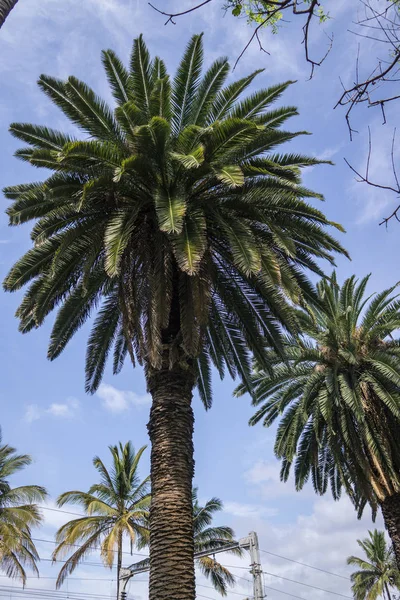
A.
pixel 119 562
pixel 387 591
pixel 172 467
pixel 6 7
pixel 391 516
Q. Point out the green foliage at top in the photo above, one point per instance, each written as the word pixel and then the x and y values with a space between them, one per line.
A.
pixel 19 513
pixel 377 571
pixel 269 13
pixel 115 507
pixel 208 538
pixel 337 394
pixel 174 221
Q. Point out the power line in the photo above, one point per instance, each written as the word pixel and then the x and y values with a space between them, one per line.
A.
pixel 308 585
pixel 211 588
pixel 66 512
pixel 94 549
pixel 83 564
pixel 53 594
pixel 45 592
pixel 267 587
pixel 305 565
pixel 265 551
pixel 70 578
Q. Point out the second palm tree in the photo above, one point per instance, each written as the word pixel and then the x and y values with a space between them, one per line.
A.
pixel 115 508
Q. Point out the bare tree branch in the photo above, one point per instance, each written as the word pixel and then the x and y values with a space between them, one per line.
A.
pixel 172 16
pixel 383 23
pixel 366 178
pixel 267 16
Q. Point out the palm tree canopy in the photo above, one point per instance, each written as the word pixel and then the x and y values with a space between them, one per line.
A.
pixel 18 515
pixel 115 507
pixel 377 571
pixel 338 394
pixel 208 537
pixel 175 219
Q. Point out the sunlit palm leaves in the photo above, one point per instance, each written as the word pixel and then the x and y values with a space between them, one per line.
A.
pixel 377 571
pixel 337 394
pixel 115 508
pixel 175 196
pixel 18 515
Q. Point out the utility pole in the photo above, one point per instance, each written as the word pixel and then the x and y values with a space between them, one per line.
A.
pixel 256 568
pixel 250 543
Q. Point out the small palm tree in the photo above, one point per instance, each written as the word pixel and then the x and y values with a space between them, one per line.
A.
pixel 378 572
pixel 18 515
pixel 115 508
pixel 337 395
pixel 208 538
pixel 6 7
pixel 176 223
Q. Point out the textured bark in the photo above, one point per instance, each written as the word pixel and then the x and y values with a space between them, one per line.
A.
pixel 172 468
pixel 391 515
pixel 6 7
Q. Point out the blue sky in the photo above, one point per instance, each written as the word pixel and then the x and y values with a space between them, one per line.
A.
pixel 45 411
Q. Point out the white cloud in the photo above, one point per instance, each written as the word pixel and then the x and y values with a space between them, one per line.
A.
pixel 118 401
pixel 67 410
pixel 32 413
pixel 54 517
pixel 248 511
pixel 264 471
pixel 64 411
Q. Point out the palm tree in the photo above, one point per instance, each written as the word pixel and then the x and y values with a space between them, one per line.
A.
pixel 179 225
pixel 338 396
pixel 378 572
pixel 18 514
pixel 207 538
pixel 114 508
pixel 6 7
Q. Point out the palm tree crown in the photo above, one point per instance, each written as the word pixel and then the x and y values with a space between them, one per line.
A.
pixel 377 571
pixel 339 393
pixel 176 218
pixel 116 507
pixel 18 515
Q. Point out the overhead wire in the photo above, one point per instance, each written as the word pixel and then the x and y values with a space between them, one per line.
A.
pixel 297 562
pixel 307 585
pixel 77 546
pixel 268 587
pixel 228 566
pixel 261 550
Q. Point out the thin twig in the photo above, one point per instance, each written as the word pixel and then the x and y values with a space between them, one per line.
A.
pixel 171 16
pixel 366 179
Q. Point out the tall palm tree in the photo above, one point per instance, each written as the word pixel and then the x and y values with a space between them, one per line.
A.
pixel 337 394
pixel 6 7
pixel 377 572
pixel 114 508
pixel 178 224
pixel 18 514
pixel 209 538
